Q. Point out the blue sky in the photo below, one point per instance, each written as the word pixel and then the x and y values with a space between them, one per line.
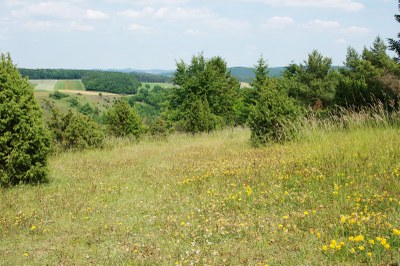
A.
pixel 153 34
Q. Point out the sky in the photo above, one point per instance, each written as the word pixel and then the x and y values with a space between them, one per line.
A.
pixel 155 34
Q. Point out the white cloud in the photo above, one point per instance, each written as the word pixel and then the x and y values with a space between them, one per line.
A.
pixel 347 5
pixel 278 22
pixel 323 24
pixel 227 24
pixel 195 15
pixel 15 2
pixel 179 13
pixel 41 25
pixel 149 2
pixel 341 41
pixel 170 13
pixel 192 32
pixel 75 26
pixel 356 30
pixel 95 14
pixel 43 10
pixel 137 28
pixel 129 13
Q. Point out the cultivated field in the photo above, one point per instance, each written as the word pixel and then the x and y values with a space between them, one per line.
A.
pixel 332 198
pixel 43 84
pixel 70 85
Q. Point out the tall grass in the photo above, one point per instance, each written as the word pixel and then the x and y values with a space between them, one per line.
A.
pixel 331 198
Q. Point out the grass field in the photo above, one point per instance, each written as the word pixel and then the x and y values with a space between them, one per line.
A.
pixel 74 85
pixel 43 84
pixel 331 199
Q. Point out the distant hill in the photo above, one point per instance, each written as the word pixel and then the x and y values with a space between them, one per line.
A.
pixel 246 74
pixel 243 74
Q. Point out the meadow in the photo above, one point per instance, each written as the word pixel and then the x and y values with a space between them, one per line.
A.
pixel 332 197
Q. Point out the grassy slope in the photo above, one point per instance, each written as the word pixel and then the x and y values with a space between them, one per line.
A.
pixel 212 199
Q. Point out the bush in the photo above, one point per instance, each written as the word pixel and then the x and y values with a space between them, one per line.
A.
pixel 123 121
pixel 74 131
pixel 81 133
pixel 272 118
pixel 57 95
pixel 159 129
pixel 24 140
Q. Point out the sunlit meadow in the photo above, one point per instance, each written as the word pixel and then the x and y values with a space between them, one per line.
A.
pixel 332 197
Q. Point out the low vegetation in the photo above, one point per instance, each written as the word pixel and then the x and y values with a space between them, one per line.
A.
pixel 332 198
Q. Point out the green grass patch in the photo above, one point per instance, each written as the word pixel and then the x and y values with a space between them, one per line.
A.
pixel 75 84
pixel 213 199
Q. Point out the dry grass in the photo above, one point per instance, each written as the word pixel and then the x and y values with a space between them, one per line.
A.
pixel 215 200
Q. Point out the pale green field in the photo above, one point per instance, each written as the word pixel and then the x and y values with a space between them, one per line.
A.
pixel 43 84
pixel 74 85
pixel 332 198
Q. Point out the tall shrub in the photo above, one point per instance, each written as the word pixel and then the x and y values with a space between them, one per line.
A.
pixel 123 121
pixel 273 113
pixel 74 131
pixel 24 140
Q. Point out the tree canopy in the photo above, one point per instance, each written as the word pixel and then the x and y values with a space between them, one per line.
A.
pixel 204 96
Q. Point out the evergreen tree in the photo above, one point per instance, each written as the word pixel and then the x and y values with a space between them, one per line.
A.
pixel 24 140
pixel 205 83
pixel 314 82
pixel 273 115
pixel 261 74
pixel 394 45
pixel 122 120
pixel 368 77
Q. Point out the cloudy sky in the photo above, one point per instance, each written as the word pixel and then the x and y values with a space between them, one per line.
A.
pixel 153 34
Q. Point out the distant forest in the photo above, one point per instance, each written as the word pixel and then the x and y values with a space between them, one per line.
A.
pixel 96 80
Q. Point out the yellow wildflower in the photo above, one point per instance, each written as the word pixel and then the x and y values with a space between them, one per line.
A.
pixel 396 232
pixel 371 241
pixel 33 228
pixel 361 248
pixel 324 247
pixel 386 246
pixel 359 238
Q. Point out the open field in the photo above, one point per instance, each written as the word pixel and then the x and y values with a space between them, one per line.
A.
pixel 332 198
pixel 101 101
pixel 43 84
pixel 70 85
